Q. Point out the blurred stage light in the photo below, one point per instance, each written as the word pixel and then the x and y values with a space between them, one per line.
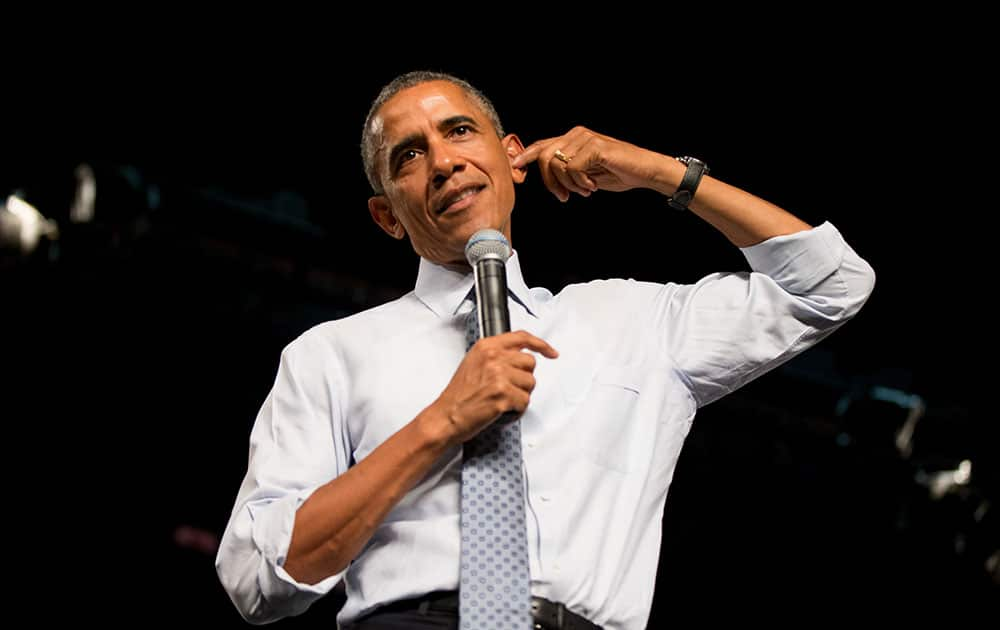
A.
pixel 22 226
pixel 196 538
pixel 82 210
pixel 944 482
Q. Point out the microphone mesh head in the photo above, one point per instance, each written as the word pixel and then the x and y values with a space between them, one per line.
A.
pixel 485 242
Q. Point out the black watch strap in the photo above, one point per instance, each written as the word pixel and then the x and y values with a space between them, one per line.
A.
pixel 689 184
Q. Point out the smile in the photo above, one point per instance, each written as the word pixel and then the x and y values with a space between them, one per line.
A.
pixel 460 200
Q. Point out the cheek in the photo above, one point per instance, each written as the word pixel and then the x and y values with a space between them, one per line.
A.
pixel 408 212
pixel 505 194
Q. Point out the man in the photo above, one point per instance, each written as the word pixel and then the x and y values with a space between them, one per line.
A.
pixel 356 456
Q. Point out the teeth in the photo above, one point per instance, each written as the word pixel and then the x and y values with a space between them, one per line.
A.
pixel 465 193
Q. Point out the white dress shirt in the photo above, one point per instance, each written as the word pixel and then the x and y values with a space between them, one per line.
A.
pixel 601 435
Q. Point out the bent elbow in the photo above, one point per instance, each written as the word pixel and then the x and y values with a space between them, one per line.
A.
pixel 242 578
pixel 842 295
pixel 860 279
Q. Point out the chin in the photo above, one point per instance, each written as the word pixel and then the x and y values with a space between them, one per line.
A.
pixel 475 221
pixel 472 226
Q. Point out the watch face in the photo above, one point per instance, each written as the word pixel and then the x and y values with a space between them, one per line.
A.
pixel 687 160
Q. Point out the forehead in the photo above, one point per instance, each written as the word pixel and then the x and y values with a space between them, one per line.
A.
pixel 426 103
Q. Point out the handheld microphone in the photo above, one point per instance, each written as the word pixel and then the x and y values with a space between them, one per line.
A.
pixel 487 252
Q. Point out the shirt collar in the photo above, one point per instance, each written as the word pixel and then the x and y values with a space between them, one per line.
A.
pixel 443 290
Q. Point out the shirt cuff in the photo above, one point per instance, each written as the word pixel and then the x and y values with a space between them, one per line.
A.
pixel 272 532
pixel 799 262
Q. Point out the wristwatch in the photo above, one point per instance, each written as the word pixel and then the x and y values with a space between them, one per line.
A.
pixel 689 184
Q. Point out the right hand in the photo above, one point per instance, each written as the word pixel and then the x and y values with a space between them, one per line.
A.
pixel 495 377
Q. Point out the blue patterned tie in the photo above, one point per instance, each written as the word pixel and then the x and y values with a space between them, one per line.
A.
pixel 495 580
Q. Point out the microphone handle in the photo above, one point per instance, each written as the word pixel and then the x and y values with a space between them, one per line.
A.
pixel 491 293
pixel 494 316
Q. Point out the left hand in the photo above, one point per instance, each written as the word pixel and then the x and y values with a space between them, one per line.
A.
pixel 592 162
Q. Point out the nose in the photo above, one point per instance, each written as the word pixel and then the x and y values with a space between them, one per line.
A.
pixel 445 161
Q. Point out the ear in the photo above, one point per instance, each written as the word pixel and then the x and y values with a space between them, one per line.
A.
pixel 512 145
pixel 383 215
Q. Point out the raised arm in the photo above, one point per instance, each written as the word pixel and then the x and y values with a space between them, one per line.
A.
pixel 583 161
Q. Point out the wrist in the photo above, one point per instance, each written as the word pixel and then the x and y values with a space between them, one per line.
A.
pixel 437 428
pixel 694 170
pixel 668 175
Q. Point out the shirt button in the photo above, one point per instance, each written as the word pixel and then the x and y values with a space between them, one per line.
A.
pixel 556 567
pixel 543 497
pixel 531 444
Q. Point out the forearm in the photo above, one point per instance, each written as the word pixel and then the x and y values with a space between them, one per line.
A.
pixel 334 524
pixel 336 521
pixel 743 218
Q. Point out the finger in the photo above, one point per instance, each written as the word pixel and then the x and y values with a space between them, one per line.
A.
pixel 564 173
pixel 581 181
pixel 586 181
pixel 577 166
pixel 523 340
pixel 524 381
pixel 513 356
pixel 531 153
pixel 517 399
pixel 551 181
pixel 522 360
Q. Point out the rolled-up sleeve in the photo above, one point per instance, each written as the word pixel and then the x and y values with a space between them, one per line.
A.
pixel 729 328
pixel 298 443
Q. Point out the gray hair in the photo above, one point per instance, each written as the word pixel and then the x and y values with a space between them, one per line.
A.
pixel 368 135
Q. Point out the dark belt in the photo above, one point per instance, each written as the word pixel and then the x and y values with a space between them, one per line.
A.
pixel 545 614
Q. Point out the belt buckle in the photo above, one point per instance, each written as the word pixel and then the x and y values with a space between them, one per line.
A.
pixel 544 617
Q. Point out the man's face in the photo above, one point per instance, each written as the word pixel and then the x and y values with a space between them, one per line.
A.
pixel 444 172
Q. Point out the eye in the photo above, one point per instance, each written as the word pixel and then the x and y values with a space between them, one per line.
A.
pixel 406 156
pixel 462 130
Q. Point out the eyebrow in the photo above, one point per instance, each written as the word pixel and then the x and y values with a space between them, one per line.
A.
pixel 414 138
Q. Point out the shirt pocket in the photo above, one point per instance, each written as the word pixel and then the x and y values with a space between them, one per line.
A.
pixel 607 419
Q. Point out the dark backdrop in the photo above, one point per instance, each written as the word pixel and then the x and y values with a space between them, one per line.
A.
pixel 231 215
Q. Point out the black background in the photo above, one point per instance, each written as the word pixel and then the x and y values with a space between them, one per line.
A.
pixel 140 350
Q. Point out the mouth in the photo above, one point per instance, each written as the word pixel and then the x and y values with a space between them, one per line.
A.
pixel 459 199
